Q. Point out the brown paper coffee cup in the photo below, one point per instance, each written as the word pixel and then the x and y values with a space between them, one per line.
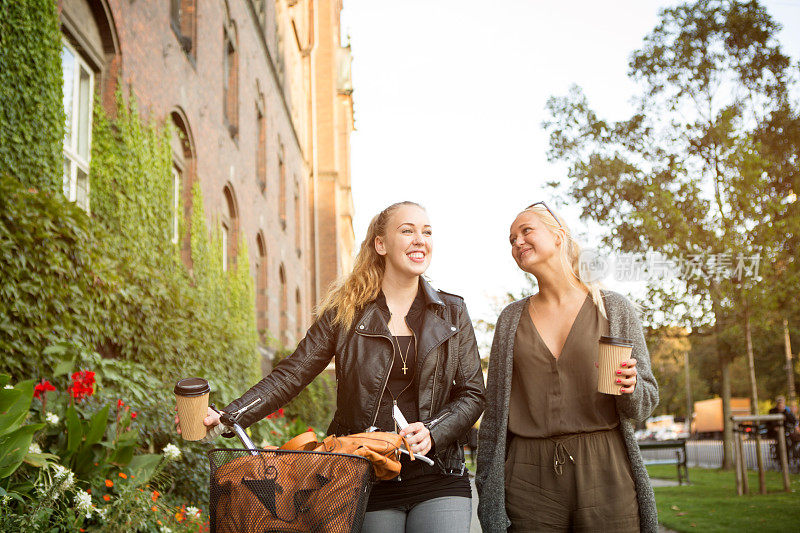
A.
pixel 612 352
pixel 191 396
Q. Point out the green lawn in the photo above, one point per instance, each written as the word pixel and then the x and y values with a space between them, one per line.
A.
pixel 710 503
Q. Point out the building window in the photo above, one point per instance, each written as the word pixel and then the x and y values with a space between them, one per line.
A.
pixel 284 307
pixel 183 164
pixel 282 190
pixel 298 313
pixel 261 12
pixel 182 20
pixel 261 288
pixel 297 229
pixel 176 203
pixel 230 230
pixel 230 80
pixel 78 83
pixel 261 149
pixel 225 240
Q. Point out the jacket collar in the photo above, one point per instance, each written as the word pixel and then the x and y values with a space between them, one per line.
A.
pixel 373 321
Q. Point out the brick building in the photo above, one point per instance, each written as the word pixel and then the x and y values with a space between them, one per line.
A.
pixel 260 93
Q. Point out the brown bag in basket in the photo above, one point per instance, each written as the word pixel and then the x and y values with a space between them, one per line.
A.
pixel 292 492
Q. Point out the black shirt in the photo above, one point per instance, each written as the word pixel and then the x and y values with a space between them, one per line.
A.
pixel 417 482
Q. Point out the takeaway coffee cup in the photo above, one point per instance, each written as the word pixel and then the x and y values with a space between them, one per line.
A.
pixel 612 352
pixel 191 395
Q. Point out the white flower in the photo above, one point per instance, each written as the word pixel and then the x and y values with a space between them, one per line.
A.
pixel 101 512
pixel 34 448
pixel 8 387
pixel 83 502
pixel 165 529
pixel 172 452
pixel 52 418
pixel 192 511
pixel 64 476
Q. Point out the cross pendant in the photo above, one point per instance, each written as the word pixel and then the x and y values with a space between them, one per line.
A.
pixel 404 369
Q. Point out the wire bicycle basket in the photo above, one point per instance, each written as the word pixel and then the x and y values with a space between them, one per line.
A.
pixel 260 491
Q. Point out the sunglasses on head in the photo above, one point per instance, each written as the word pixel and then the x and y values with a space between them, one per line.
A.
pixel 548 210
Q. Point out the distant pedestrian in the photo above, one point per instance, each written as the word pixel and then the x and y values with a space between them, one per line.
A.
pixel 789 421
pixel 554 454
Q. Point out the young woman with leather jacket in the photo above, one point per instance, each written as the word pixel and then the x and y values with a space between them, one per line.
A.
pixel 395 341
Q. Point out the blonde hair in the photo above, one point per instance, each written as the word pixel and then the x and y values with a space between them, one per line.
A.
pixel 350 293
pixel 570 252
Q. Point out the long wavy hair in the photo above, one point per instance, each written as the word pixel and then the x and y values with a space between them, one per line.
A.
pixel 570 252
pixel 350 293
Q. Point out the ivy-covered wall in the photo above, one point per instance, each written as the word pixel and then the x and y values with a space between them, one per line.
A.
pixel 115 282
pixel 204 324
pixel 31 112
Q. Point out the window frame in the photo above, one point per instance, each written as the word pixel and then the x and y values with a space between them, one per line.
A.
pixel 177 189
pixel 72 158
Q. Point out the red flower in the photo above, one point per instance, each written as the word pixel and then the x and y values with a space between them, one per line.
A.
pixel 133 414
pixel 310 429
pixel 42 387
pixel 280 411
pixel 82 384
pixel 120 403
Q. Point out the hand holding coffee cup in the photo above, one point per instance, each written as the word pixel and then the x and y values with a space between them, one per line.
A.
pixel 616 369
pixel 210 421
pixel 191 398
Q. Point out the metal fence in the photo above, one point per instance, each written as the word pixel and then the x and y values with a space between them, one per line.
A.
pixel 708 453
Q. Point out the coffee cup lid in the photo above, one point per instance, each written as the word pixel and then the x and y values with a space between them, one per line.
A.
pixel 192 387
pixel 617 341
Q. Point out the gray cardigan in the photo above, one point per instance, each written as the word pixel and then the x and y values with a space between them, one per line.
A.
pixel 623 322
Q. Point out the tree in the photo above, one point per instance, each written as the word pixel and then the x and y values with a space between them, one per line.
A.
pixel 686 174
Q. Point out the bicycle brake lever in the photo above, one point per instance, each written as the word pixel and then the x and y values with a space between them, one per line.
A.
pixel 422 458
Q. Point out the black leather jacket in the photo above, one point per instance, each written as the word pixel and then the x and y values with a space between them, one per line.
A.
pixel 450 380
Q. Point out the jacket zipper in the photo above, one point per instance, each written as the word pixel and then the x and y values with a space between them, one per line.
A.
pixel 236 414
pixel 385 381
pixel 438 420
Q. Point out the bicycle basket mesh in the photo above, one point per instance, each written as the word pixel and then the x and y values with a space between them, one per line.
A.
pixel 287 491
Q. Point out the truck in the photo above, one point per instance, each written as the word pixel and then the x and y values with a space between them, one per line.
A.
pixel 707 418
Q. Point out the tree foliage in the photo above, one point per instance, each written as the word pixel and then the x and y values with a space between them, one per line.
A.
pixel 701 168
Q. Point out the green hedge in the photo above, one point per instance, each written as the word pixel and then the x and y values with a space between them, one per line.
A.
pixel 31 112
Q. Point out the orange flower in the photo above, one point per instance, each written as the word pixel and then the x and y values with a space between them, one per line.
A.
pixel 155 495
pixel 154 508
pixel 106 497
pixel 123 475
pixel 88 491
pixel 109 483
pixel 179 516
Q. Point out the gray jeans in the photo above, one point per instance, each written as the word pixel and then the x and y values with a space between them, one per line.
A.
pixel 449 514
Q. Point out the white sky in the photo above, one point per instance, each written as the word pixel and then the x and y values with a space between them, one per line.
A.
pixel 449 101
